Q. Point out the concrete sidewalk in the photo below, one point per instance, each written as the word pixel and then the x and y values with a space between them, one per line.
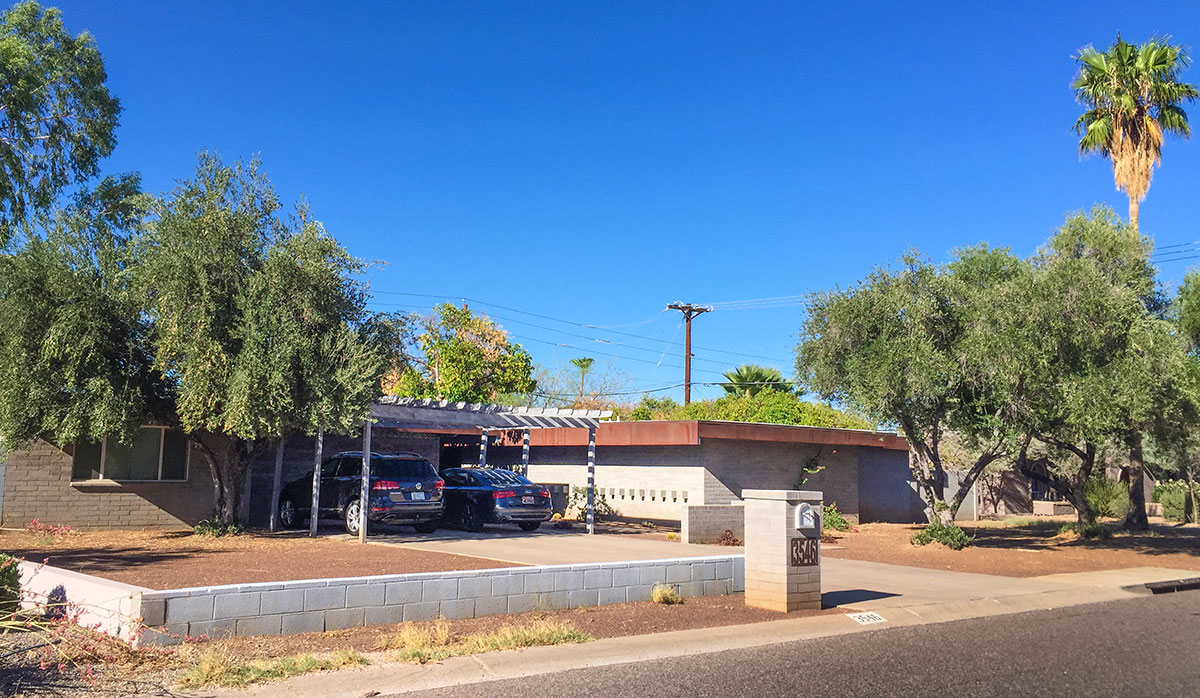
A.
pixel 903 596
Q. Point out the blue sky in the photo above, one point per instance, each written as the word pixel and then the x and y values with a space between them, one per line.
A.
pixel 592 162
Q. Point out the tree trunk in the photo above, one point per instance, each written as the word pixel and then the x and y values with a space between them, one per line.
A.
pixel 1190 508
pixel 1136 519
pixel 1134 209
pixel 228 466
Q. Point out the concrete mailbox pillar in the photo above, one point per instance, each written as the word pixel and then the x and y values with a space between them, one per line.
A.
pixel 783 549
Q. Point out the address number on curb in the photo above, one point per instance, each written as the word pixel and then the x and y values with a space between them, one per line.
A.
pixel 867 618
pixel 805 552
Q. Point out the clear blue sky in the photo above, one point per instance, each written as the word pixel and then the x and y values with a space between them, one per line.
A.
pixel 592 162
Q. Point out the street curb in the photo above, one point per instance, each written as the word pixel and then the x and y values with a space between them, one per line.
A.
pixel 1166 587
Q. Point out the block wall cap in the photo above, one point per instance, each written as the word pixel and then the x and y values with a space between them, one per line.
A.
pixel 783 495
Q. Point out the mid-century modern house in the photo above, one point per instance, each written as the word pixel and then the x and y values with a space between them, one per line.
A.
pixel 646 470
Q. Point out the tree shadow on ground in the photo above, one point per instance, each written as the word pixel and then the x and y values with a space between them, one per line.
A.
pixel 1160 540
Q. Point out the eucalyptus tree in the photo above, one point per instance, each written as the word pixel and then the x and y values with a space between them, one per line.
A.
pixel 750 379
pixel 57 118
pixel 897 345
pixel 1134 97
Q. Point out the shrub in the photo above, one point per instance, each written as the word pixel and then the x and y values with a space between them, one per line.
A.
pixel 216 669
pixel 728 538
pixel 1107 497
pixel 649 524
pixel 672 536
pixel 1173 496
pixel 10 585
pixel 1092 530
pixel 665 594
pixel 216 529
pixel 432 642
pixel 578 502
pixel 948 535
pixel 47 531
pixel 833 519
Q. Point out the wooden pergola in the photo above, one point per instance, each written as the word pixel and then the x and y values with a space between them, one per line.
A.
pixel 417 414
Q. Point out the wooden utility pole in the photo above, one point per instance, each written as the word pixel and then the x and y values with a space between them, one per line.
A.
pixel 689 311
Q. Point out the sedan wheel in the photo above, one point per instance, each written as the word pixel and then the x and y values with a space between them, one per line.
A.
pixel 352 513
pixel 472 519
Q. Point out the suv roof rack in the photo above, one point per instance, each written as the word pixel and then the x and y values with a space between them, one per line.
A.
pixel 377 454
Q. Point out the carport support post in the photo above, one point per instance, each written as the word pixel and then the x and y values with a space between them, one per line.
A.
pixel 365 487
pixel 525 453
pixel 591 487
pixel 315 510
pixel 276 484
pixel 483 439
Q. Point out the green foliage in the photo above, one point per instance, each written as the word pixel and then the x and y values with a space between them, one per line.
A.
pixel 832 519
pixel 213 528
pixel 948 535
pixel 768 406
pixel 1088 530
pixel 1107 497
pixel 1173 496
pixel 10 585
pixel 57 119
pixel 601 509
pixel 464 357
pixel 750 380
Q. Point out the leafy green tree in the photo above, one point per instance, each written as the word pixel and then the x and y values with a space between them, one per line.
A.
pixel 256 321
pixel 766 407
pixel 57 119
pixel 1133 97
pixel 463 357
pixel 750 379
pixel 75 361
pixel 897 346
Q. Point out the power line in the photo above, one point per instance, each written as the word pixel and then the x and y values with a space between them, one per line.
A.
pixel 572 322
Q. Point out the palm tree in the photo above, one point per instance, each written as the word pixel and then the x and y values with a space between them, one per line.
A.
pixel 584 364
pixel 750 380
pixel 1133 97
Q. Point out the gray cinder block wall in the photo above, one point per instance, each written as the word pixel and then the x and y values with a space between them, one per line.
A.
pixel 333 604
pixel 705 523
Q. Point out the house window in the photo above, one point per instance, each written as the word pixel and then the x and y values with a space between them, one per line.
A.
pixel 155 454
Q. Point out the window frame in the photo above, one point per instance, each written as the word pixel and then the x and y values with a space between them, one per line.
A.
pixel 162 441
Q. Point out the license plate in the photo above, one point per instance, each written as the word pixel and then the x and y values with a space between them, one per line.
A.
pixel 417 496
pixel 527 500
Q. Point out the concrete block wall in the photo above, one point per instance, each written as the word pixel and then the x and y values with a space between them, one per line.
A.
pixel 647 492
pixel 37 485
pixel 741 465
pixel 706 522
pixel 332 604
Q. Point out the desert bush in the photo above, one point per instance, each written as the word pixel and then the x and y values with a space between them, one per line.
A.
pixel 672 536
pixel 1107 497
pixel 1092 530
pixel 833 519
pixel 10 585
pixel 421 643
pixel 728 537
pixel 215 529
pixel 578 502
pixel 1173 496
pixel 665 594
pixel 948 535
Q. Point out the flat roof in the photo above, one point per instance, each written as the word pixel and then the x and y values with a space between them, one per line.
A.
pixel 692 432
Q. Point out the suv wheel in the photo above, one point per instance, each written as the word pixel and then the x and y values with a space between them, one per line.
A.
pixel 472 519
pixel 287 514
pixel 353 510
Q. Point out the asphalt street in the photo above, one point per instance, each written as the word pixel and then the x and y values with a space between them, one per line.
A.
pixel 1147 646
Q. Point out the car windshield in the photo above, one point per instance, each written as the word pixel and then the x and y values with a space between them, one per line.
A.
pixel 500 477
pixel 406 468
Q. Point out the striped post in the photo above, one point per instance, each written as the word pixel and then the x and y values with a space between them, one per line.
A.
pixel 525 453
pixel 591 486
pixel 483 439
pixel 316 485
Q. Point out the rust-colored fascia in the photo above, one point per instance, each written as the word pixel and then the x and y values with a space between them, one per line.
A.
pixel 784 433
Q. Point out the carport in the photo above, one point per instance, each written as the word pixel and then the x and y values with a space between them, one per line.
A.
pixel 440 416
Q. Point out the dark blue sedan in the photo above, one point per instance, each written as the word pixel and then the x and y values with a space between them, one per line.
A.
pixel 478 496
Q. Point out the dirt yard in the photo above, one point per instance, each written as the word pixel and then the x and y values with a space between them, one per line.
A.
pixel 1024 548
pixel 176 559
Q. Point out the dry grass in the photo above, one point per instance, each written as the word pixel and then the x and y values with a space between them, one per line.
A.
pixel 420 643
pixel 214 668
pixel 665 594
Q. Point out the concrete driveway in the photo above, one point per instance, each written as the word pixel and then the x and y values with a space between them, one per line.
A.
pixel 547 545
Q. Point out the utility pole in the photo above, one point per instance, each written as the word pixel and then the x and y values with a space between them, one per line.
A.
pixel 689 311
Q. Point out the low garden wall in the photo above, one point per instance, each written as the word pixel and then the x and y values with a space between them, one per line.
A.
pixel 102 604
pixel 333 604
pixel 706 522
